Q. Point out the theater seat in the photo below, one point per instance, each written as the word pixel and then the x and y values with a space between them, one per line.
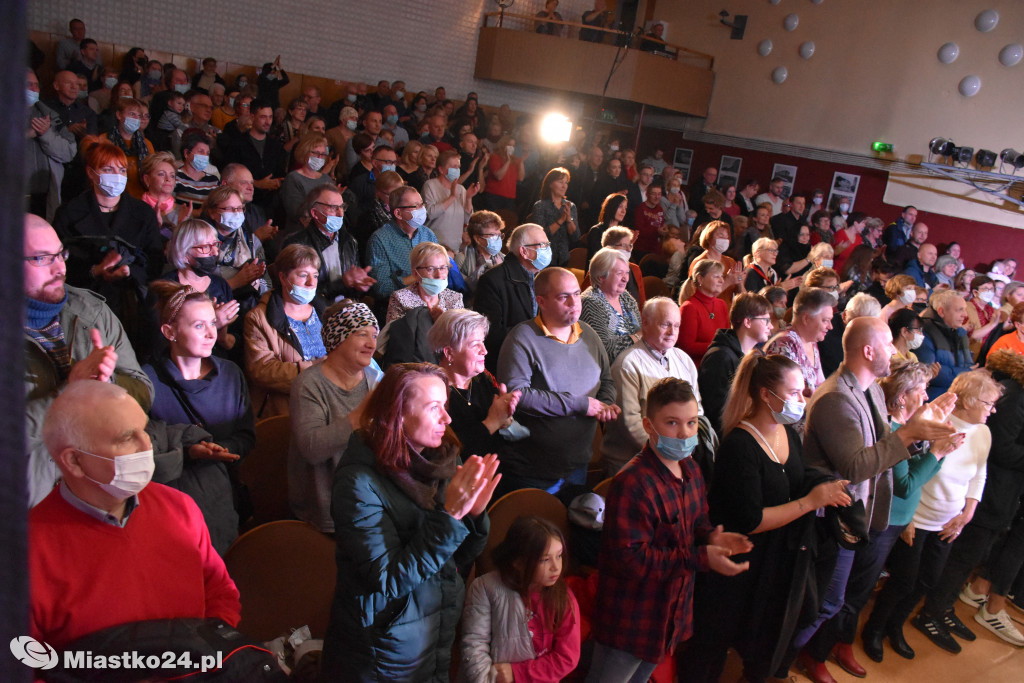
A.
pixel 516 504
pixel 265 470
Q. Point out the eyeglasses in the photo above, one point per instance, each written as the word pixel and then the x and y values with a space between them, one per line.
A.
pixel 232 209
pixel 432 270
pixel 338 209
pixel 833 288
pixel 411 206
pixel 770 251
pixel 538 245
pixel 206 249
pixel 45 260
pixel 766 319
pixel 319 155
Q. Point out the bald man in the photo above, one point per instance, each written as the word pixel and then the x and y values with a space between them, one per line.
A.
pixel 70 336
pixel 71 104
pixel 848 435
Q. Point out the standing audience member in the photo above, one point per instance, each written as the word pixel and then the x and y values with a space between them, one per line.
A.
pixel 606 305
pixel 561 367
pixel 449 204
pixel 704 313
pixel 983 313
pixel 613 213
pixel 315 169
pixel 325 403
pixel 127 136
pixel 649 222
pixel 812 319
pixel 1014 341
pixel 635 371
pixel 406 516
pixel 50 146
pixel 389 248
pixel 945 340
pixel 263 155
pixel 483 252
pixel 558 216
pixel 656 538
pixel 901 293
pixel 773 197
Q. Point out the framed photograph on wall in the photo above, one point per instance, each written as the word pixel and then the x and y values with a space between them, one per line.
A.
pixel 682 160
pixel 788 175
pixel 844 186
pixel 729 171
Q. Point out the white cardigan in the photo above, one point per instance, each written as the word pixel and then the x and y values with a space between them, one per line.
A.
pixel 494 629
pixel 962 476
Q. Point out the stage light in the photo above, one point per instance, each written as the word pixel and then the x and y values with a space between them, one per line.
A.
pixel 962 154
pixel 555 128
pixel 1013 158
pixel 942 146
pixel 985 158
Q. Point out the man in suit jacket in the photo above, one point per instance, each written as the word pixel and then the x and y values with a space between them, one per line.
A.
pixel 505 292
pixel 848 434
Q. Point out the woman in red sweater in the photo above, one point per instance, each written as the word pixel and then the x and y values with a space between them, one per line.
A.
pixel 704 313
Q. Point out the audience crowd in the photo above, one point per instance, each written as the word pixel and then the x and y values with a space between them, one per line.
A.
pixel 794 405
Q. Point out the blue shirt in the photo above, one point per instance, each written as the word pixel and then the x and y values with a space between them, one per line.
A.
pixel 387 254
pixel 308 334
pixel 94 512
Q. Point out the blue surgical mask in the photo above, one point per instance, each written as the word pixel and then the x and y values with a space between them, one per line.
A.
pixel 675 449
pixel 399 94
pixel 82 94
pixel 200 162
pixel 351 124
pixel 332 224
pixel 156 74
pixel 302 295
pixel 384 168
pixel 315 163
pixel 792 410
pixel 494 245
pixel 452 174
pixel 109 82
pixel 182 88
pixel 351 98
pixel 543 259
pixel 131 124
pixel 419 217
pixel 392 119
pixel 31 96
pixel 113 184
pixel 242 83
pixel 690 220
pixel 433 286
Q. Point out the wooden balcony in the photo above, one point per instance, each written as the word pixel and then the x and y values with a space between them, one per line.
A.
pixel 681 84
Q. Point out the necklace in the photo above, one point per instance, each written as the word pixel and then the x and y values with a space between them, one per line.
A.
pixel 711 314
pixel 758 434
pixel 467 397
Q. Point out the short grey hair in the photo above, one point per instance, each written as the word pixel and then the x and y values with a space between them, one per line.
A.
pixel 653 303
pixel 518 236
pixel 217 86
pixel 615 234
pixel 944 261
pixel 763 243
pixel 69 419
pixel 838 223
pixel 185 236
pixel 819 250
pixel 873 223
pixel 454 327
pixel 602 263
pixel 1010 288
pixel 862 306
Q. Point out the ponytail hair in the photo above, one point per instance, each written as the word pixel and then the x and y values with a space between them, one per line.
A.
pixel 756 371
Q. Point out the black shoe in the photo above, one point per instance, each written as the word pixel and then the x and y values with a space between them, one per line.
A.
pixel 936 632
pixel 872 640
pixel 957 627
pixel 899 643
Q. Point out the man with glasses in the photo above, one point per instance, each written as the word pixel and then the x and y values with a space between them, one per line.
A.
pixel 505 292
pixel 639 368
pixel 364 185
pixel 387 252
pixel 340 273
pixel 70 335
pixel 750 324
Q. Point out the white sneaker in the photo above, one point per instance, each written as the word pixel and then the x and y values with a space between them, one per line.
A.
pixel 1001 625
pixel 969 597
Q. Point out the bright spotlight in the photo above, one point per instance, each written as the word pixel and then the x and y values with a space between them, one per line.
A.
pixel 555 128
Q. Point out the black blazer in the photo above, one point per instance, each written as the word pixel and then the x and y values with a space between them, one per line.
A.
pixel 505 295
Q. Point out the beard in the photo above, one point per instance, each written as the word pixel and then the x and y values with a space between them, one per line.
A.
pixel 52 292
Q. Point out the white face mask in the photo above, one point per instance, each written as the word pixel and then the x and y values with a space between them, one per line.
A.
pixel 986 296
pixel 132 473
pixel 909 297
pixel 510 150
pixel 826 263
pixel 315 163
pixel 915 341
pixel 231 220
pixel 721 245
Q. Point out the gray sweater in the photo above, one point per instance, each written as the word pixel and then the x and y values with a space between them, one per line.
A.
pixel 556 380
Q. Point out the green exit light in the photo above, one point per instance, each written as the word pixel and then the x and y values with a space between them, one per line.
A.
pixel 881 146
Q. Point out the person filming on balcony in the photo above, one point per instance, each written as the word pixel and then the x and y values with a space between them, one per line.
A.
pixel 549 27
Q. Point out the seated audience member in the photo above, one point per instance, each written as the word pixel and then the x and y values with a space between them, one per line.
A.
pixel 909 251
pixel 982 316
pixel 730 207
pixel 287 131
pixel 561 367
pixel 704 313
pixel 821 228
pixel 945 340
pixel 113 237
pixel 449 204
pixel 194 184
pixel 241 258
pixel 70 335
pixel 315 170
pixel 401 471
pixel 50 145
pixel 659 494
pixel 812 319
pixel 521 620
pixel 1014 341
pixel 505 293
pixel 715 240
pixel 340 274
pixel 760 226
pixel 207 76
pixel 485 229
pixel 127 136
pixel 674 205
pixel 158 176
pixel 256 223
pixel 922 268
pixel 713 203
pixel 111 513
pixel 612 214
pixel 901 293
pixel 621 238
pixel 222 101
pixel 847 237
pixel 962 282
pixel 363 185
pixel 976 539
pixel 930 505
pixel 263 155
pixel 635 371
pixel 607 307
pixel 194 387
pixel 557 215
pixel 481 409
pixel 761 274
pixel 428 166
pixel 750 326
pixel 193 251
pixel 409 163
pixel 282 332
pixel 945 270
pixel 374 216
pixel 389 248
pixel 429 265
pixel 858 272
pixel 881 272
pixel 777 298
pixel 1013 294
pixel 760 488
pixel 325 402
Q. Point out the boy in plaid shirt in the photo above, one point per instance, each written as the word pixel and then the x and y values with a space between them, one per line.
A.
pixel 656 536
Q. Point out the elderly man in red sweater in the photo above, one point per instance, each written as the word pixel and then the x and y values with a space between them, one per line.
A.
pixel 107 547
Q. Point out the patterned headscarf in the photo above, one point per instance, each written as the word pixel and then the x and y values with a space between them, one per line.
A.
pixel 344 322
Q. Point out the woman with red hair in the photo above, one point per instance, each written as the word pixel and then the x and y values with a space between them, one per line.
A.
pixel 114 238
pixel 406 516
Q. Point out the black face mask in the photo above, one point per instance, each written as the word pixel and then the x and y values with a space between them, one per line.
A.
pixel 205 265
pixel 919 307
